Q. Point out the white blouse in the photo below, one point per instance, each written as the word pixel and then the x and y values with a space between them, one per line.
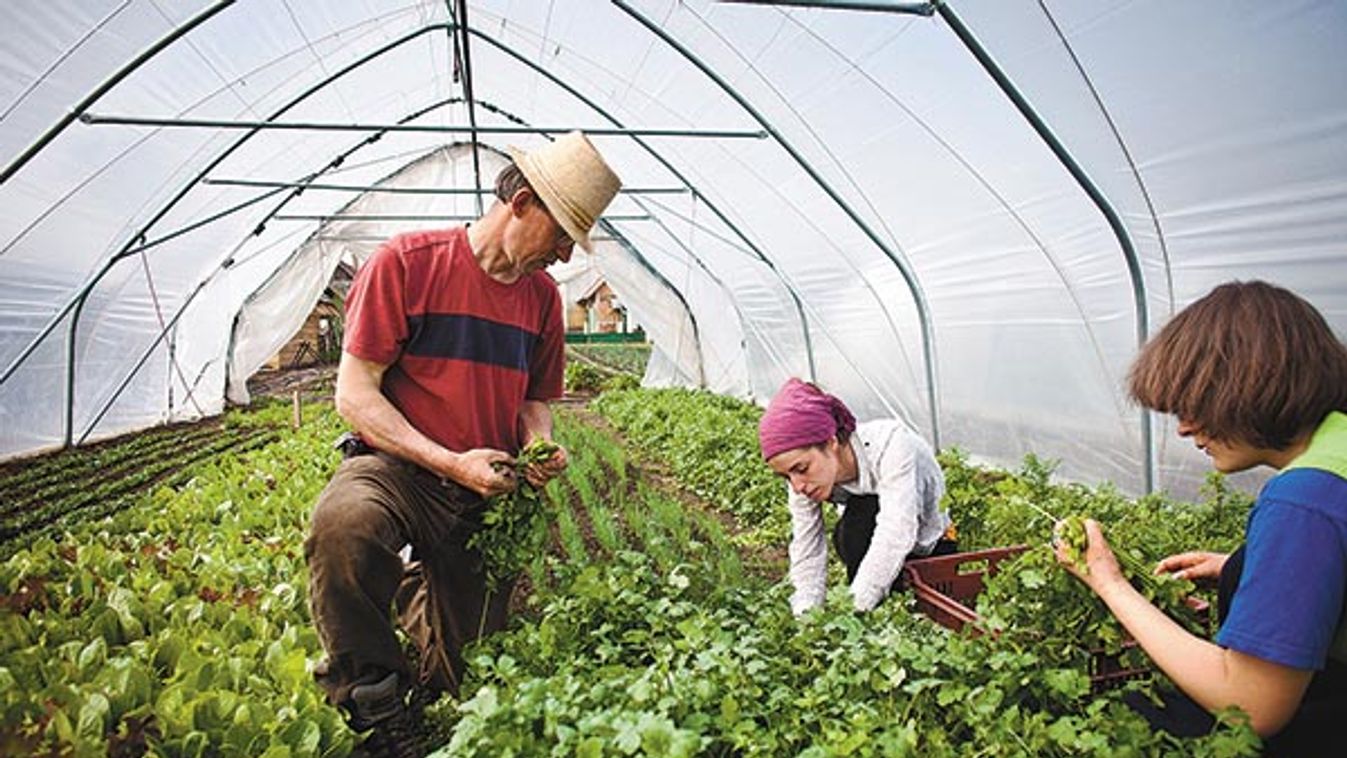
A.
pixel 897 465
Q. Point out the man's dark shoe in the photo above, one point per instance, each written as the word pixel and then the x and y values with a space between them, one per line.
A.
pixel 380 707
pixel 419 701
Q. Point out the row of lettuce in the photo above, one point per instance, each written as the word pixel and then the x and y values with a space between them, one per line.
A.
pixel 180 626
pixel 43 497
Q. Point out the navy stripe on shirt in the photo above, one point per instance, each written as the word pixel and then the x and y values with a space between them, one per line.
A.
pixel 469 338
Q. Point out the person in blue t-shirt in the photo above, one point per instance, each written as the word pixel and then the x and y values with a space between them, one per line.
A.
pixel 1255 377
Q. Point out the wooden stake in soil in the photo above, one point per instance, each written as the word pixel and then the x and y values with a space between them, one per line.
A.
pixel 299 416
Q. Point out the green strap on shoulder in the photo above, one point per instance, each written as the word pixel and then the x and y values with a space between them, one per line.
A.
pixel 1327 451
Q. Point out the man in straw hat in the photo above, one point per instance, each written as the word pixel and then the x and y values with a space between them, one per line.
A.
pixel 453 347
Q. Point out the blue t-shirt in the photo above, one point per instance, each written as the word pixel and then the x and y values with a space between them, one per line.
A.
pixel 1290 597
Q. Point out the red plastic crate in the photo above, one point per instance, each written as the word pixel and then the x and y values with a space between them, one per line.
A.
pixel 946 586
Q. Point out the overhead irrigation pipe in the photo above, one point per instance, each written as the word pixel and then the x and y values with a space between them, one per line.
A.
pixel 711 206
pixel 363 188
pixel 1091 189
pixel 918 296
pixel 108 84
pixel 94 119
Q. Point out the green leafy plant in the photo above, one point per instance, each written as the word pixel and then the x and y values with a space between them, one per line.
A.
pixel 178 624
pixel 620 382
pixel 513 525
pixel 625 357
pixel 1071 534
pixel 583 377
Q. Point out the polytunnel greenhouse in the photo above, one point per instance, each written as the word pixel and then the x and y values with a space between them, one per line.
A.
pixel 967 215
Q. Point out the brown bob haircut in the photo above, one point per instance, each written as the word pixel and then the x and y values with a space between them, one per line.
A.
pixel 1250 362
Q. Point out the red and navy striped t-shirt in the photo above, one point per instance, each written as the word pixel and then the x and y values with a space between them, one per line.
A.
pixel 464 351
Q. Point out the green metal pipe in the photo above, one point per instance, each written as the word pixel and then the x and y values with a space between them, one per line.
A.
pixel 1092 190
pixel 711 206
pixel 197 224
pixel 108 84
pixel 911 9
pixel 362 188
pixel 909 276
pixel 463 59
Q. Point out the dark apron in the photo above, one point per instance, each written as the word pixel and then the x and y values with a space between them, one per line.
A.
pixel 1310 732
pixel 856 528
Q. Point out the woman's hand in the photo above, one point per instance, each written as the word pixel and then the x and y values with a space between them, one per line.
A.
pixel 1101 566
pixel 1195 566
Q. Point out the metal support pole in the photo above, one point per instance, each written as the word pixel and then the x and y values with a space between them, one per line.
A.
pixel 197 224
pixel 909 276
pixel 464 50
pixel 1091 189
pixel 711 206
pixel 108 84
pixel 911 9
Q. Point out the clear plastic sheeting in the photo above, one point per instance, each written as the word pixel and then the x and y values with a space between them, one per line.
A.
pixel 675 334
pixel 277 308
pixel 900 233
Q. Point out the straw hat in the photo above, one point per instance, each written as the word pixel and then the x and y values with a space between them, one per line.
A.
pixel 572 180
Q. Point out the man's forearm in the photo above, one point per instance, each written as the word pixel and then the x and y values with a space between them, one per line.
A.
pixel 535 421
pixel 382 425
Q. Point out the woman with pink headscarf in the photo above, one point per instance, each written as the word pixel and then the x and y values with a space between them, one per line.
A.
pixel 883 477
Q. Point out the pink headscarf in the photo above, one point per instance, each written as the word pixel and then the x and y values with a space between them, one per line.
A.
pixel 801 415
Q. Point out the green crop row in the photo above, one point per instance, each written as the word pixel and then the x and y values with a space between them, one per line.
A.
pixel 637 656
pixel 177 625
pixel 710 444
pixel 36 479
pixel 627 358
pixel 111 490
